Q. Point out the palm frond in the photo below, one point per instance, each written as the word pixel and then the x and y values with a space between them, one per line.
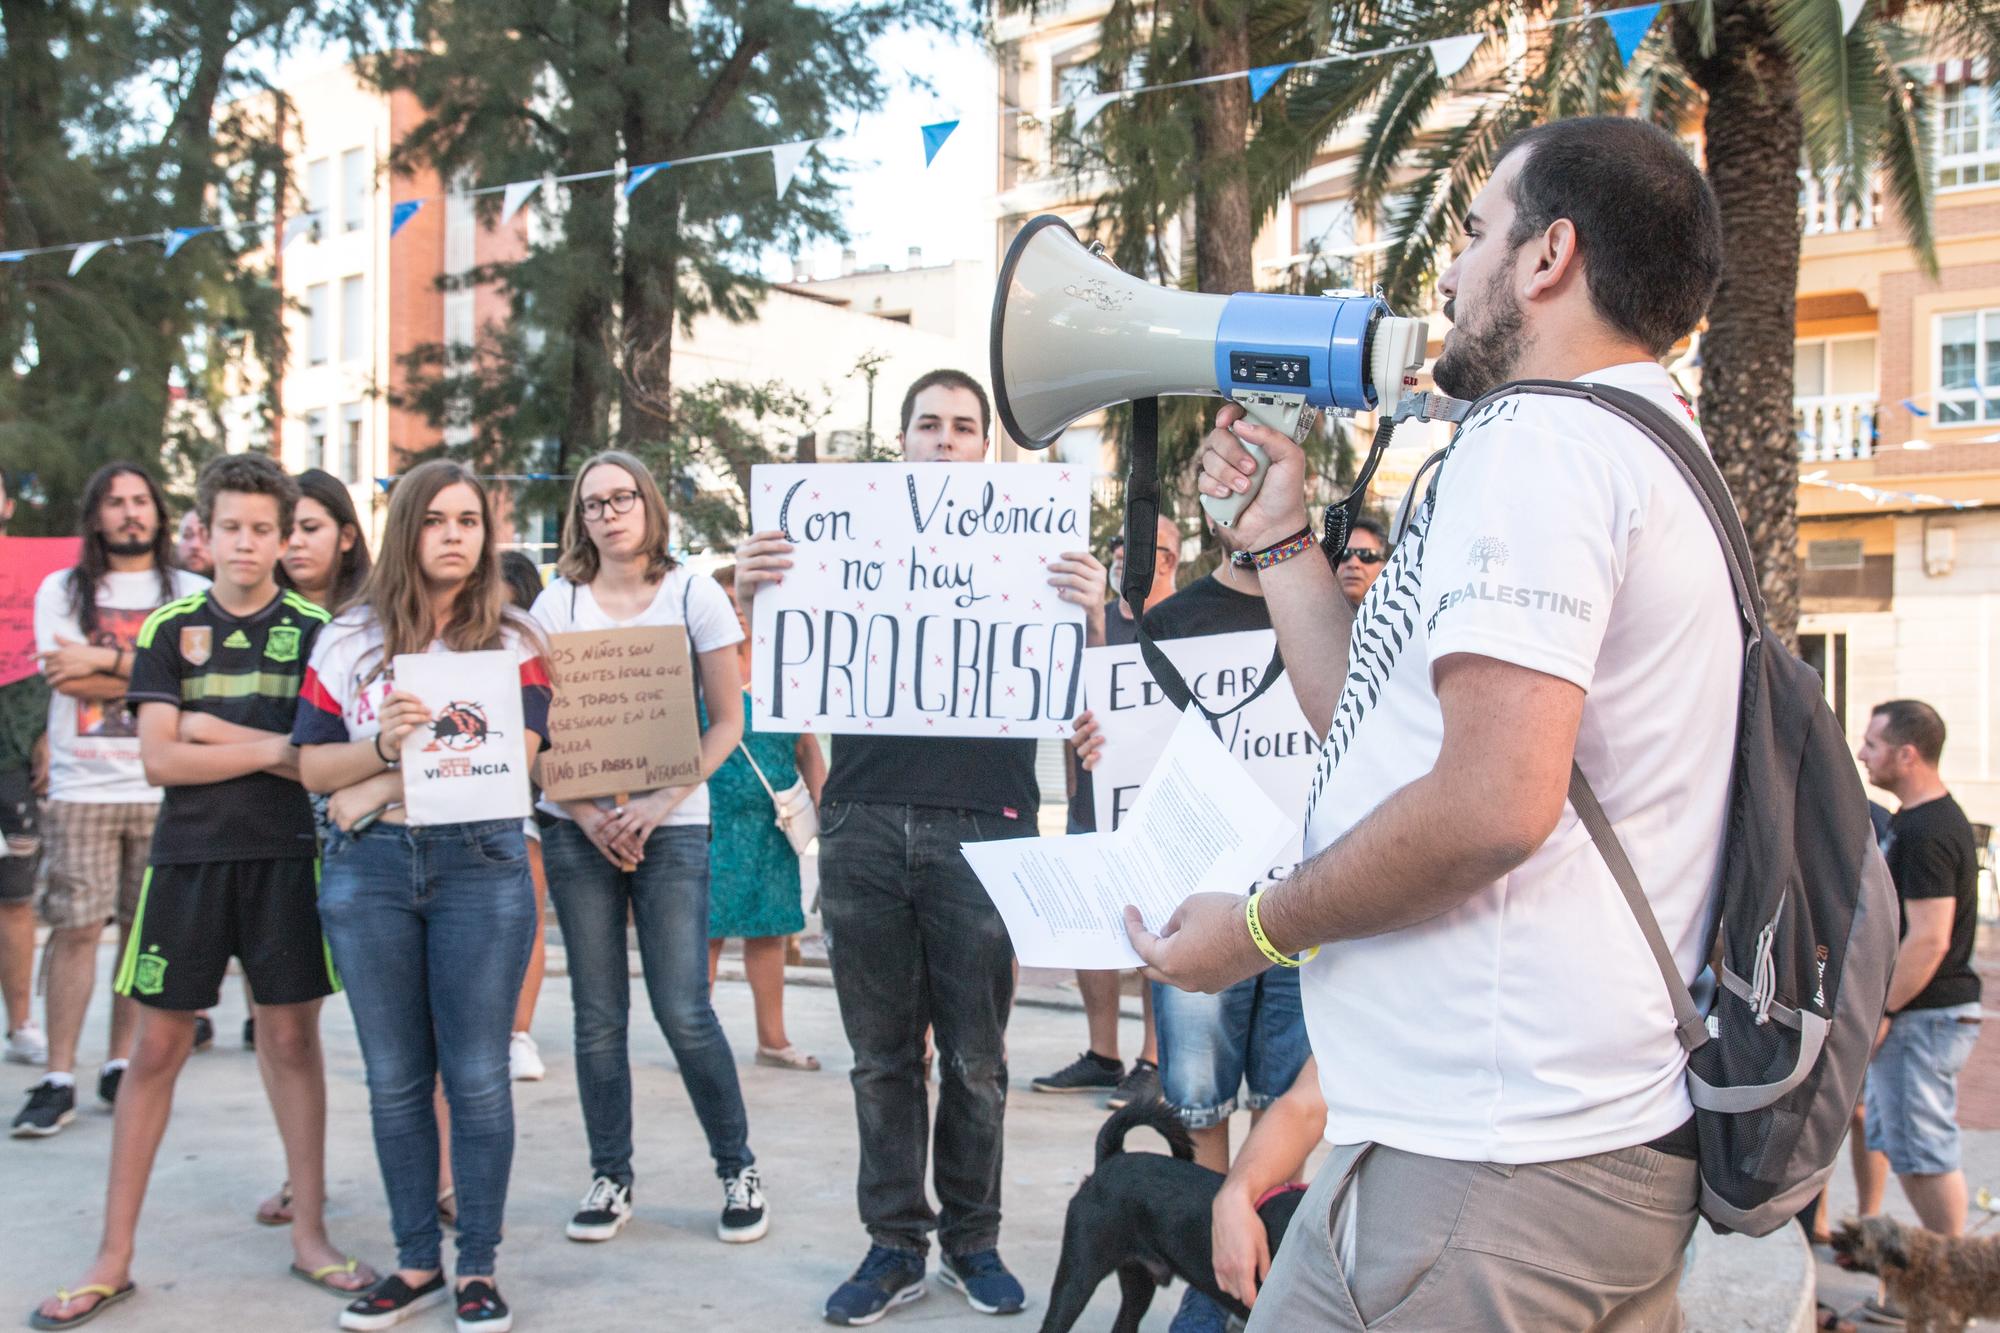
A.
pixel 1834 76
pixel 1904 145
pixel 1407 99
pixel 1962 28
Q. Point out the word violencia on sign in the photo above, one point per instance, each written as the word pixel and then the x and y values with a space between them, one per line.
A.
pixel 623 717
pixel 918 601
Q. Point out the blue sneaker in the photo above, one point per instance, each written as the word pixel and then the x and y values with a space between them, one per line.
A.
pixel 886 1279
pixel 984 1281
pixel 1199 1314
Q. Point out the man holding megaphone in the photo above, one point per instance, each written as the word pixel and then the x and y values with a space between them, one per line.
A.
pixel 1505 1094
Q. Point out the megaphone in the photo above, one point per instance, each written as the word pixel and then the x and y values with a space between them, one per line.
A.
pixel 1073 333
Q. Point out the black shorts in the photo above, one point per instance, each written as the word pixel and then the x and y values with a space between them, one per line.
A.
pixel 21 827
pixel 193 918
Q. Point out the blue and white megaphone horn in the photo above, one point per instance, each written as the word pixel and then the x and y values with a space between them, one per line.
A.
pixel 1073 333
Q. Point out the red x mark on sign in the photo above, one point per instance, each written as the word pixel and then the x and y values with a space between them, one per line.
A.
pixel 822 566
pixel 1010 691
pixel 858 606
pixel 795 682
pixel 767 488
pixel 996 557
pixel 837 694
pixel 937 659
pixel 930 722
pixel 1003 728
pixel 1003 597
pixel 1038 605
pixel 878 546
pixel 933 550
pixel 1065 476
pixel 871 485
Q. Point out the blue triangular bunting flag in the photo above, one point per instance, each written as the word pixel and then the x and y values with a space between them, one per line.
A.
pixel 1628 28
pixel 180 236
pixel 402 213
pixel 934 137
pixel 1264 78
pixel 640 175
pixel 1913 409
pixel 12 256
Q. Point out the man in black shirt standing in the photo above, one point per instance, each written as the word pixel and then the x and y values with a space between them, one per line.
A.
pixel 1933 1015
pixel 915 942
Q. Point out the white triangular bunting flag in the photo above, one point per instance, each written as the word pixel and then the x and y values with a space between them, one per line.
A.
pixel 1850 10
pixel 1451 53
pixel 296 226
pixel 1086 108
pixel 785 161
pixel 84 254
pixel 518 193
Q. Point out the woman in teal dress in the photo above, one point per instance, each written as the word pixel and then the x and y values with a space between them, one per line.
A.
pixel 753 885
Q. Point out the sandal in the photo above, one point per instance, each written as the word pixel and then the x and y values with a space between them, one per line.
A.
pixel 276 1211
pixel 318 1277
pixel 105 1296
pixel 786 1057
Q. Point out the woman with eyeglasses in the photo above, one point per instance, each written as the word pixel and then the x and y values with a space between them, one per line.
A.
pixel 1362 561
pixel 615 572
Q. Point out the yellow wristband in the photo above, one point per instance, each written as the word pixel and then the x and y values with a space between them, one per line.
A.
pixel 1264 945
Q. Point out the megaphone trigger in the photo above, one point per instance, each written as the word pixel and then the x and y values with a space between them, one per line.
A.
pixel 1290 415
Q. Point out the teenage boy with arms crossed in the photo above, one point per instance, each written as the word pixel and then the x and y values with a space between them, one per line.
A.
pixel 216 680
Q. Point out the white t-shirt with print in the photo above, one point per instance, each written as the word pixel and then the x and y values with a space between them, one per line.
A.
pixel 94 743
pixel 1530 1023
pixel 711 624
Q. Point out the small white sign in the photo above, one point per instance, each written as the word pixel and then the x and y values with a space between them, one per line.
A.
pixel 918 601
pixel 471 763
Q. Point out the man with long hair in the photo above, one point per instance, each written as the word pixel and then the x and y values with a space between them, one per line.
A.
pixel 99 819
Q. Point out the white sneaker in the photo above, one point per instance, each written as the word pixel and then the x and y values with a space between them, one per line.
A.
pixel 524 1059
pixel 27 1046
pixel 603 1212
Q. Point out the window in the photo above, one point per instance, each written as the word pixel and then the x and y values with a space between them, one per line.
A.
pixel 353 319
pixel 319 311
pixel 1968 367
pixel 1826 654
pixel 1833 367
pixel 319 190
pixel 1075 80
pixel 1968 141
pixel 1327 225
pixel 354 182
pixel 350 442
pixel 316 439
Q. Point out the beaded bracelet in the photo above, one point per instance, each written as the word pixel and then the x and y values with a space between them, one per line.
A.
pixel 1277 553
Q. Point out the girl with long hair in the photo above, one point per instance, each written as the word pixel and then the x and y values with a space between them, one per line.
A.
pixel 429 926
pixel 646 859
pixel 327 557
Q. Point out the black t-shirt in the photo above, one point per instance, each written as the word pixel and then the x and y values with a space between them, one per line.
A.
pixel 991 776
pixel 196 656
pixel 1932 854
pixel 1118 629
pixel 1207 606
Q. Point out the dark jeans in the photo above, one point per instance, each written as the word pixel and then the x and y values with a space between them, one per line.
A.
pixel 667 899
pixel 430 929
pixel 916 943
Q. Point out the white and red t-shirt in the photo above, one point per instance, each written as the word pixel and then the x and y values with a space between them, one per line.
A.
pixel 346 682
pixel 1530 1024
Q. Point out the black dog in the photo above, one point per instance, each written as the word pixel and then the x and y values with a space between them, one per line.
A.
pixel 1145 1217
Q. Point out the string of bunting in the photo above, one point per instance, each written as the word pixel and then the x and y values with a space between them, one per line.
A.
pixel 1628 26
pixel 1877 495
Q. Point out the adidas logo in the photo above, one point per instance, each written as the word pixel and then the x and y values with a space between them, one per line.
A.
pixel 237 639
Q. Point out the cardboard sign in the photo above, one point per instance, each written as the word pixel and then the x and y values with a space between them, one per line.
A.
pixel 623 719
pixel 918 602
pixel 24 563
pixel 1270 737
pixel 471 764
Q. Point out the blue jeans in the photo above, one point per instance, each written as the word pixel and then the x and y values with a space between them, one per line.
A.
pixel 1211 1045
pixel 667 899
pixel 915 943
pixel 431 930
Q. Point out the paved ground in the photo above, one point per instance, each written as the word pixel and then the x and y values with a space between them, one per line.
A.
pixel 204 1265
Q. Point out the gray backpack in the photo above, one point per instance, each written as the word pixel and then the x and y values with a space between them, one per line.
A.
pixel 1807 933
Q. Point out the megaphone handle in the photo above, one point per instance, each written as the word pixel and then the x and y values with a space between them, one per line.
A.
pixel 1285 413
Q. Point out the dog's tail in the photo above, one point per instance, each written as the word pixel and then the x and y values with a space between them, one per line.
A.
pixel 1152 1114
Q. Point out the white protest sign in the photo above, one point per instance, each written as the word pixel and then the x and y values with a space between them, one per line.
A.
pixel 1270 737
pixel 918 601
pixel 471 763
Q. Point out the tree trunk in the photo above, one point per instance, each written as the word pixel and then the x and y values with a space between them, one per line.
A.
pixel 1755 137
pixel 652 226
pixel 591 239
pixel 1223 232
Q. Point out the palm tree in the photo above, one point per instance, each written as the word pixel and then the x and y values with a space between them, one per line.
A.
pixel 1776 84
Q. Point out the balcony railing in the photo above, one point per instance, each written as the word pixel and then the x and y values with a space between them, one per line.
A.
pixel 1822 211
pixel 1835 426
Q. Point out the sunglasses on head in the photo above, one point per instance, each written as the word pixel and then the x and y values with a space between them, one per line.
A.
pixel 1362 553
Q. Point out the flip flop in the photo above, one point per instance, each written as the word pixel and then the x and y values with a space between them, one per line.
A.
pixel 318 1277
pixel 281 1217
pixel 789 1057
pixel 106 1296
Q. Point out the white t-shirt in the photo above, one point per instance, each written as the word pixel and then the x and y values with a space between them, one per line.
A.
pixel 1530 1024
pixel 711 624
pixel 342 694
pixel 94 743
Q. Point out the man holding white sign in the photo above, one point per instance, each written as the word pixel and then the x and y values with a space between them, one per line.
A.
pixel 915 942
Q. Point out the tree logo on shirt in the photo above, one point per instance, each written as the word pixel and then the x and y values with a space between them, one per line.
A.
pixel 1487 552
pixel 281 644
pixel 459 727
pixel 149 977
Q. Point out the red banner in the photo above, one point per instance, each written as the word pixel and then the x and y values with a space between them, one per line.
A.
pixel 24 563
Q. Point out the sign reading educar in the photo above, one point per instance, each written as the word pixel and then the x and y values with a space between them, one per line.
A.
pixel 623 717
pixel 918 601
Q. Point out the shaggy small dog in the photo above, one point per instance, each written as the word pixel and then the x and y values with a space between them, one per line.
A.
pixel 1145 1217
pixel 1940 1281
